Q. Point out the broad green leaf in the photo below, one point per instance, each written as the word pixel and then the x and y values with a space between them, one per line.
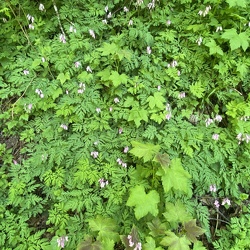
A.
pixel 63 77
pixel 144 150
pixel 214 48
pixel 105 226
pixel 137 114
pixel 236 3
pixel 198 246
pixel 118 79
pixel 150 245
pixel 156 227
pixel 108 48
pixel 236 40
pixel 242 68
pixel 176 212
pixel 143 203
pixel 156 101
pixel 163 159
pixel 174 242
pixel 193 231
pixel 176 177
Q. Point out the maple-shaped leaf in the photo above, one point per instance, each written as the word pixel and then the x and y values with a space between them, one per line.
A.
pixel 105 226
pixel 109 48
pixel 242 68
pixel 150 245
pixel 192 230
pixel 174 242
pixel 236 40
pixel 157 228
pixel 137 115
pixel 147 151
pixel 175 177
pixel 143 203
pixel 214 48
pixel 88 244
pixel 163 159
pixel 118 79
pixel 233 3
pixel 156 101
pixel 176 212
pixel 63 77
pixel 199 246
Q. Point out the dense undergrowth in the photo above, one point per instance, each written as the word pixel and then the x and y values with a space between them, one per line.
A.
pixel 124 124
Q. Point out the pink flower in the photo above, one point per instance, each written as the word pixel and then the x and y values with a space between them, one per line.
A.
pixel 72 29
pixel 158 87
pixel 149 50
pixel 130 23
pixel 98 110
pixel 41 7
pixel 62 38
pixel 218 118
pixel 212 188
pixel 120 130
pixel 61 241
pixel 64 126
pixel 226 201
pixel 168 116
pixel 215 137
pixel 168 22
pixel 94 154
pixel 126 149
pixel 182 95
pixel 26 72
pixel 208 121
pixel 88 69
pixel 77 64
pixel 116 100
pixel 217 204
pixel 103 183
pixel 92 33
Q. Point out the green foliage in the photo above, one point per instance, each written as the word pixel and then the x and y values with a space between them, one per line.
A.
pixel 115 120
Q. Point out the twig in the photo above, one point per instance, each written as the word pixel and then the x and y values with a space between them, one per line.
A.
pixel 12 111
pixel 58 17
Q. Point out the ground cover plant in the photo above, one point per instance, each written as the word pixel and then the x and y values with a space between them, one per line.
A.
pixel 124 124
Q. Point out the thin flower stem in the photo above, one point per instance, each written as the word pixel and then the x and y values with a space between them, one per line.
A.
pixel 58 17
pixel 23 30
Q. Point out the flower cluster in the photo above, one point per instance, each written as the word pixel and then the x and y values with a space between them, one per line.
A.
pixel 151 5
pixel 62 38
pixel 225 201
pixel 204 12
pixel 199 40
pixel 77 64
pixel 169 114
pixel 26 72
pixel 28 107
pixel 219 28
pixel 72 29
pixel 120 162
pixel 116 100
pixel 215 137
pixel 182 95
pixel 41 7
pixel 82 88
pixel 173 64
pixel 243 137
pixel 138 245
pixel 31 19
pixel 126 149
pixel 149 51
pixel 64 126
pixel 103 183
pixel 217 118
pixel 94 154
pixel 40 93
pixel 92 33
pixel 61 241
pixel 98 110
